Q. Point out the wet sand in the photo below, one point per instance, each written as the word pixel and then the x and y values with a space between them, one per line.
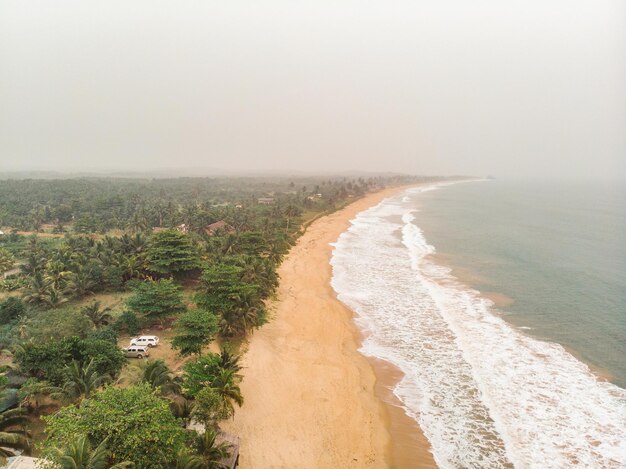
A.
pixel 311 399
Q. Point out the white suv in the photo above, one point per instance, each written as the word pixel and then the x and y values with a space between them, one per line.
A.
pixel 134 351
pixel 145 340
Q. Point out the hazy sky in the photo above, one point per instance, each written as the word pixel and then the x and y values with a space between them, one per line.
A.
pixel 511 88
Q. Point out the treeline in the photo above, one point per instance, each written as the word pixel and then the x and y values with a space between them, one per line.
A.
pixel 97 205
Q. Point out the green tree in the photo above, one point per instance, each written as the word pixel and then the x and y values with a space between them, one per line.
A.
pixel 82 282
pixel 207 407
pixel 183 409
pixel 11 436
pixel 135 421
pixel 226 385
pixel 11 309
pixel 206 377
pixel 156 299
pixel 185 460
pixel 7 261
pixel 212 453
pixel 81 380
pixel 128 322
pixel 200 373
pixel 79 454
pixel 170 252
pixel 48 360
pixel 195 329
pixel 159 376
pixel 253 243
pixel 219 283
pixel 98 316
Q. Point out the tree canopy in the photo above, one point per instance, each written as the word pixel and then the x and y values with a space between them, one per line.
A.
pixel 194 329
pixel 155 299
pixel 49 360
pixel 135 421
pixel 170 252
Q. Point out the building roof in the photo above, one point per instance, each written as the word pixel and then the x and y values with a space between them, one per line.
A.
pixel 218 225
pixel 233 459
pixel 25 462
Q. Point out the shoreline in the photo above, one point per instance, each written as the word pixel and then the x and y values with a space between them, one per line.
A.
pixel 311 398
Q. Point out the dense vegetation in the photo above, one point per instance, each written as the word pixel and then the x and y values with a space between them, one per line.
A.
pixel 88 261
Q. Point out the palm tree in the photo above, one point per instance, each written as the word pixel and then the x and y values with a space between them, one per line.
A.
pixel 34 262
pixel 245 312
pixel 7 261
pixel 99 317
pixel 231 324
pixel 226 385
pixel 158 375
pixel 38 288
pixel 184 460
pixel 82 381
pixel 54 298
pixel 290 212
pixel 229 244
pixel 138 223
pixel 212 454
pixel 12 435
pixel 80 282
pixel 79 454
pixel 229 361
pixel 182 409
pixel 154 372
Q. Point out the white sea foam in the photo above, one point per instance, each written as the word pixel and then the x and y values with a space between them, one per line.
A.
pixel 485 394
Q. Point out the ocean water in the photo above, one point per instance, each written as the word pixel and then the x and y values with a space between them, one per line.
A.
pixel 507 386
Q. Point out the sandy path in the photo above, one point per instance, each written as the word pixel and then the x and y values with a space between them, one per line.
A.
pixel 310 399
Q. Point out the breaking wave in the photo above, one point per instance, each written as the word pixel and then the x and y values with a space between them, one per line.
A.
pixel 484 393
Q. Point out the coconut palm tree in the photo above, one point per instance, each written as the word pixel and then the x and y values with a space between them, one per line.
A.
pixel 226 385
pixel 229 361
pixel 212 454
pixel 38 288
pixel 158 375
pixel 13 437
pixel 54 298
pixel 7 261
pixel 182 409
pixel 290 212
pixel 184 460
pixel 231 324
pixel 80 282
pixel 154 372
pixel 79 454
pixel 82 380
pixel 99 317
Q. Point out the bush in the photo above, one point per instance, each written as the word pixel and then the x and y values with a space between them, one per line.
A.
pixel 128 322
pixel 108 333
pixel 11 308
pixel 47 360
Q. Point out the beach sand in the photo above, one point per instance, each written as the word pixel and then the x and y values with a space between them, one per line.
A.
pixel 311 399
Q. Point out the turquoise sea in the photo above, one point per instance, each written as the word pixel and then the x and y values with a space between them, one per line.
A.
pixel 556 249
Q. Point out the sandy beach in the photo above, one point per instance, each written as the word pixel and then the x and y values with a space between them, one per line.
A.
pixel 311 399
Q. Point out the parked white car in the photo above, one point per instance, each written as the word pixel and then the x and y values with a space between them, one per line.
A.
pixel 135 351
pixel 145 340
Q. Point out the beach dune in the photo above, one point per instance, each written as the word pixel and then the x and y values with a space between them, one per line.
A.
pixel 310 396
